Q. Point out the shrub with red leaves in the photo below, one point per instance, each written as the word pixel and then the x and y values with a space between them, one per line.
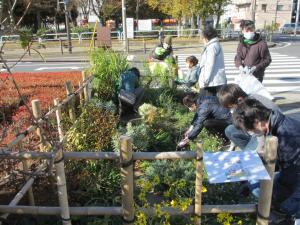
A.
pixel 45 87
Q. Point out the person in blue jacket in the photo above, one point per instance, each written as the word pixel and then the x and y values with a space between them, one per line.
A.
pixel 209 114
pixel 253 116
pixel 191 78
pixel 130 83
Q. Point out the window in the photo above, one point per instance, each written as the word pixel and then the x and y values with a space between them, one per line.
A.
pixel 279 7
pixel 264 7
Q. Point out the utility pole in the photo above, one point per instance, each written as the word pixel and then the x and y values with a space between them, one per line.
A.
pixel 124 25
pixel 253 10
pixel 297 17
pixel 276 10
pixel 66 2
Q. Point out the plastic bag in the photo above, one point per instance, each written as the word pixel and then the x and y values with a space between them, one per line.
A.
pixel 251 85
pixel 127 97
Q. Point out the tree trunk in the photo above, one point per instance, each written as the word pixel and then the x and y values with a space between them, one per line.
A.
pixel 137 9
pixel 38 19
pixel 219 14
pixel 1 9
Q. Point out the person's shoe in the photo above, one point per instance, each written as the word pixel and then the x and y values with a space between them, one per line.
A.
pixel 231 147
pixel 278 218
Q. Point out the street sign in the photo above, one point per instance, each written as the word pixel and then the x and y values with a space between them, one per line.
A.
pixel 130 27
pixel 145 25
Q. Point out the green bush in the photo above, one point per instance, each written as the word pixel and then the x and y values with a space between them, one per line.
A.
pixel 26 35
pixel 107 66
pixel 94 129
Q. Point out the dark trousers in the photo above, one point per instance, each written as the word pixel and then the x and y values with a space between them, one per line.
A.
pixel 210 91
pixel 216 127
pixel 286 191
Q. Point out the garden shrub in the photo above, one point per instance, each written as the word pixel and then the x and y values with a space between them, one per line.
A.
pixel 107 66
pixel 94 129
pixel 26 35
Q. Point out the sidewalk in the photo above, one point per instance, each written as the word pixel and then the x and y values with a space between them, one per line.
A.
pixel 289 103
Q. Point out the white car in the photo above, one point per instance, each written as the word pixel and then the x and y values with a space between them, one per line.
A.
pixel 289 28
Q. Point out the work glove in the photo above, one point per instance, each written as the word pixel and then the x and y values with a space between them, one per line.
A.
pixel 183 143
pixel 252 69
pixel 241 69
pixel 297 222
pixel 188 131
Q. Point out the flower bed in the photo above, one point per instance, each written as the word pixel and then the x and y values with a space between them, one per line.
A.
pixel 43 86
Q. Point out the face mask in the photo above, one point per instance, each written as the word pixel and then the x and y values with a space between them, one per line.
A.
pixel 249 35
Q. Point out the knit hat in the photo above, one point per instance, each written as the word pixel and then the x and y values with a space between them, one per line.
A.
pixel 168 40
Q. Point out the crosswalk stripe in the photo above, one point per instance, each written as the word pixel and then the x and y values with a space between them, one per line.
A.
pixel 283 75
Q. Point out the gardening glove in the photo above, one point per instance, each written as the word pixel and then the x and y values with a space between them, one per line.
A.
pixel 252 69
pixel 188 131
pixel 183 143
pixel 297 222
pixel 241 69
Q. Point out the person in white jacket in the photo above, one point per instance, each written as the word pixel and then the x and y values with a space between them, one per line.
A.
pixel 212 75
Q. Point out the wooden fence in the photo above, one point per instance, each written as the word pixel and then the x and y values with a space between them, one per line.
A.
pixel 126 157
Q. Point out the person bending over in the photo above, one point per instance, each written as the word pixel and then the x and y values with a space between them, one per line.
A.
pixel 209 114
pixel 253 116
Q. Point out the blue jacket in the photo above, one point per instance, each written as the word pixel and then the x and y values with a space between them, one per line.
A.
pixel 208 107
pixel 129 81
pixel 287 130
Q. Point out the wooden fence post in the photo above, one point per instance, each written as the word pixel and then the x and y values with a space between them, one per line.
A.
pixel 266 186
pixel 30 192
pixel 62 187
pixel 144 44
pixel 59 119
pixel 71 105
pixel 198 184
pixel 81 95
pixel 127 179
pixel 86 88
pixel 37 113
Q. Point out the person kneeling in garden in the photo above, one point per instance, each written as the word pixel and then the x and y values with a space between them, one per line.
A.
pixel 209 114
pixel 130 91
pixel 191 78
pixel 253 116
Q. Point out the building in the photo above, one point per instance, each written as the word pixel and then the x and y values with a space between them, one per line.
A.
pixel 267 12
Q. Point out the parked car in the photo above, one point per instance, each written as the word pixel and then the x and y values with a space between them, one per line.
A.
pixel 289 28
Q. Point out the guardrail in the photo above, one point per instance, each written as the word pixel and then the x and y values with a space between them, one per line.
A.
pixel 120 36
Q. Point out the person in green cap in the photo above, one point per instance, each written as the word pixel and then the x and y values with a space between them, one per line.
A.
pixel 163 50
pixel 253 55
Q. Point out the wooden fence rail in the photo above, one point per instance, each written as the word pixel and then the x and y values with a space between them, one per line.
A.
pixel 127 184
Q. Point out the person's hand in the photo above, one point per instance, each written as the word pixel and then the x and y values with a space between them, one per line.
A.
pixel 183 143
pixel 297 222
pixel 252 69
pixel 188 131
pixel 241 69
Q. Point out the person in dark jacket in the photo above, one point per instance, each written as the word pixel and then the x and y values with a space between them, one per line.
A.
pixel 253 116
pixel 209 114
pixel 130 83
pixel 253 55
pixel 230 96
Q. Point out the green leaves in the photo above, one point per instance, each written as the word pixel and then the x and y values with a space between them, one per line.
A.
pixel 107 66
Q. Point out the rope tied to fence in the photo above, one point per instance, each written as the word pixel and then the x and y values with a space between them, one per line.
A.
pixel 127 163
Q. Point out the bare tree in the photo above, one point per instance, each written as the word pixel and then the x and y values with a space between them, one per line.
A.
pixel 85 7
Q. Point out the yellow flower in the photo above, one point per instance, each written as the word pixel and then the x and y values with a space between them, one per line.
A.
pixel 173 203
pixel 240 222
pixel 203 189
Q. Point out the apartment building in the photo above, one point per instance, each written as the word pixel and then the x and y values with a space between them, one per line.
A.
pixel 266 11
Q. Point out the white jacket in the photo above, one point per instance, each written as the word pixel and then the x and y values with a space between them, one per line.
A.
pixel 212 65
